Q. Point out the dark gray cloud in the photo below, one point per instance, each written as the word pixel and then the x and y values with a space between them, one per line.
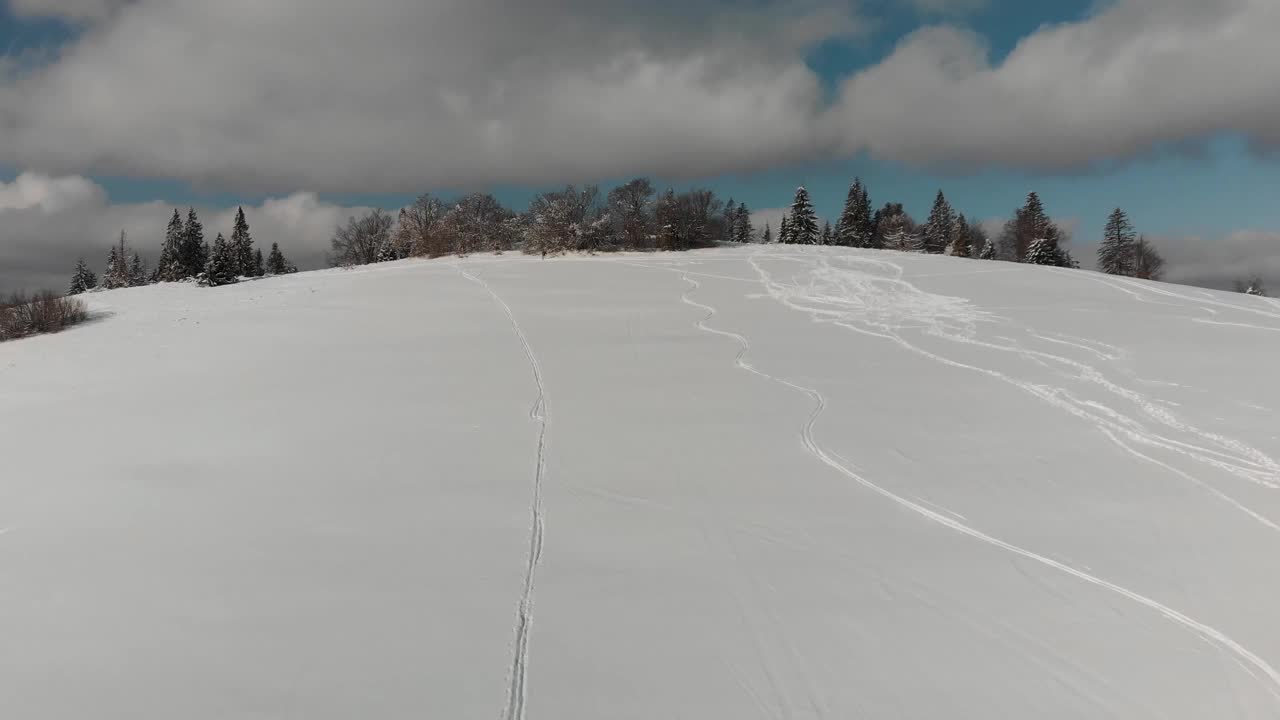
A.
pixel 1220 262
pixel 399 95
pixel 404 95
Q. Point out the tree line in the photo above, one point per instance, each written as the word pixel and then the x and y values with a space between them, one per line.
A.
pixel 635 216
pixel 185 255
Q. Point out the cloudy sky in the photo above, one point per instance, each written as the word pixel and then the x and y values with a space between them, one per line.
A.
pixel 304 111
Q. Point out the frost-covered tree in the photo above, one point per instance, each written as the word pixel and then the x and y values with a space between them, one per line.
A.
pixel 961 244
pixel 169 267
pixel 988 251
pixel 1252 286
pixel 477 223
pixel 848 226
pixel 767 237
pixel 221 267
pixel 117 273
pixel 631 208
pixel 785 235
pixel 241 244
pixel 82 279
pixel 419 229
pixel 828 237
pixel 138 274
pixel 742 230
pixel 939 229
pixel 1048 250
pixel 895 230
pixel 1147 262
pixel 856 224
pixel 357 242
pixel 259 267
pixel 804 221
pixel 1117 252
pixel 193 253
pixel 567 220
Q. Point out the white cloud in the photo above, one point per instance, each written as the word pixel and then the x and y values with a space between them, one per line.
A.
pixel 46 223
pixel 1135 74
pixel 48 194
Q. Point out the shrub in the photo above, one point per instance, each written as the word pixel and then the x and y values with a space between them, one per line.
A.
pixel 44 312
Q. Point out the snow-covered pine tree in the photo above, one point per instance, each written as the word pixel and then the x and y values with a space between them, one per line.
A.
pixel 961 238
pixel 276 264
pixel 940 228
pixel 846 226
pixel 1116 254
pixel 82 279
pixel 194 253
pixel 241 244
pixel 784 232
pixel 988 251
pixel 768 234
pixel 804 221
pixel 221 266
pixel 1049 251
pixel 386 252
pixel 169 268
pixel 259 268
pixel 117 273
pixel 742 230
pixel 137 271
pixel 1254 287
pixel 828 238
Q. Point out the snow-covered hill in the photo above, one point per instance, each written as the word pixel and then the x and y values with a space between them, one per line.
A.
pixel 747 483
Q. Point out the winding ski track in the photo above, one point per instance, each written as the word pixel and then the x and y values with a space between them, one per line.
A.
pixel 518 682
pixel 811 445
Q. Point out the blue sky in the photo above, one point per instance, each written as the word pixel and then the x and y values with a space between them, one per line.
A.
pixel 1180 171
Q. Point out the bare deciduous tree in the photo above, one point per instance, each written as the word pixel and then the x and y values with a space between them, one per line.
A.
pixel 358 242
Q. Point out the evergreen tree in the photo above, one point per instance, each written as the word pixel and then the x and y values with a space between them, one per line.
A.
pixel 194 253
pixel 82 279
pixel 827 237
pixel 988 251
pixel 386 252
pixel 961 238
pixel 259 269
pixel 784 233
pixel 117 273
pixel 768 234
pixel 276 264
pixel 1117 253
pixel 241 244
pixel 804 221
pixel 742 230
pixel 847 225
pixel 895 230
pixel 1031 223
pixel 1048 250
pixel 137 271
pixel 940 228
pixel 220 269
pixel 169 268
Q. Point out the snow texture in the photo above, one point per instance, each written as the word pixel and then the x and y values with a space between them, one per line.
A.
pixel 778 482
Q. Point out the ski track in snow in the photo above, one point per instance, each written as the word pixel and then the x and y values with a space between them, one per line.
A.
pixel 518 687
pixel 884 306
pixel 811 445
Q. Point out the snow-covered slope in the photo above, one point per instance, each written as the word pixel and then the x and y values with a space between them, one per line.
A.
pixel 748 483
